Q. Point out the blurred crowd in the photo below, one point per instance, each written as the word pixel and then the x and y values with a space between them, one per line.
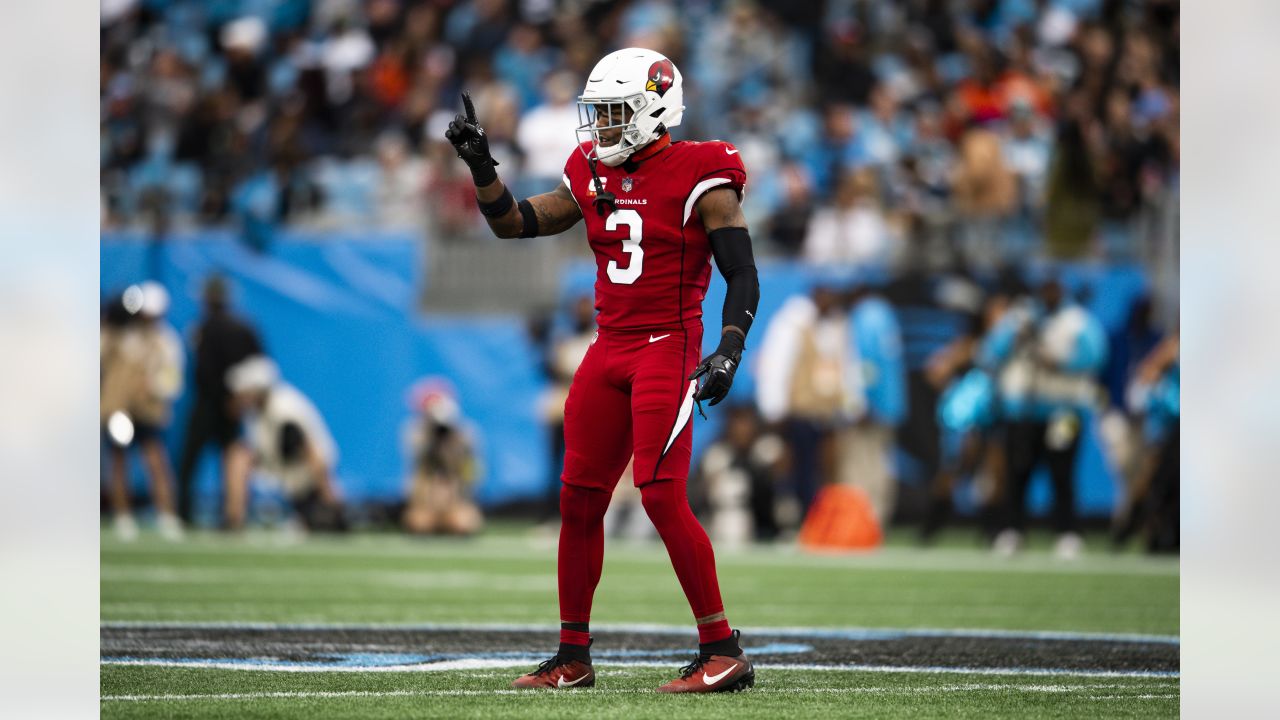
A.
pixel 944 142
pixel 1021 127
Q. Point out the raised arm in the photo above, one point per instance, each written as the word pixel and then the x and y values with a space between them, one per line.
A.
pixel 546 214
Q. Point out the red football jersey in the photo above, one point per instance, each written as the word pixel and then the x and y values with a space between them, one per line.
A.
pixel 653 261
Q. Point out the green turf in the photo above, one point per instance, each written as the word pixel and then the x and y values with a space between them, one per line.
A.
pixel 509 576
pixel 391 579
pixel 625 693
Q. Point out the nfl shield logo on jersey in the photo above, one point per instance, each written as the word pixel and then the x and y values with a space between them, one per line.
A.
pixel 627 183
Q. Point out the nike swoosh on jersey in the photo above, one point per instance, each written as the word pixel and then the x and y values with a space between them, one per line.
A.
pixel 713 679
pixel 653 339
pixel 727 151
pixel 561 683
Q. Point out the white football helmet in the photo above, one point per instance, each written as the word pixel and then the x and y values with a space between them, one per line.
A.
pixel 639 92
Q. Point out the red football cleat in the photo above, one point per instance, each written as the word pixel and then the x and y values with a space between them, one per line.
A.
pixel 558 673
pixel 713 673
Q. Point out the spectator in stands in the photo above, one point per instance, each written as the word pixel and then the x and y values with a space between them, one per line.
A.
pixel 1027 148
pixel 286 439
pixel 789 223
pixel 400 195
pixel 546 132
pixel 1073 205
pixel 984 191
pixel 451 215
pixel 141 364
pixel 1046 353
pixel 737 476
pixel 445 465
pixel 854 230
pixel 220 341
pixel 187 122
pixel 885 129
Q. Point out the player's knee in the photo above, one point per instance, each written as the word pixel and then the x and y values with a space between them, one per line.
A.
pixel 582 506
pixel 662 500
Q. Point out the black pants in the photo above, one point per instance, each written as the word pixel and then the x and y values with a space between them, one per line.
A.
pixel 1162 502
pixel 551 497
pixel 762 503
pixel 1025 448
pixel 807 440
pixel 208 423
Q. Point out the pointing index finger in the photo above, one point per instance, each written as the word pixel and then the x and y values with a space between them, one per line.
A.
pixel 470 108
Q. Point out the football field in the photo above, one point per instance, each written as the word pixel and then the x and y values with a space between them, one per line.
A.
pixel 388 626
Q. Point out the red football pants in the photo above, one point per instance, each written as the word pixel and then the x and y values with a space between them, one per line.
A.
pixel 632 396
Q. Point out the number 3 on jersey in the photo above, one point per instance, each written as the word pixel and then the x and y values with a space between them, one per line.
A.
pixel 631 246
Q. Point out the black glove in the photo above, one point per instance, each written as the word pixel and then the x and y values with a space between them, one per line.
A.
pixel 469 140
pixel 719 368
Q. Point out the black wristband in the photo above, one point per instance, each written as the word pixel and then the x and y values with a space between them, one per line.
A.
pixel 498 207
pixel 530 227
pixel 731 344
pixel 484 175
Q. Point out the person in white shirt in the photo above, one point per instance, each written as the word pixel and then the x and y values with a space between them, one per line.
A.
pixel 546 133
pixel 286 438
pixel 853 230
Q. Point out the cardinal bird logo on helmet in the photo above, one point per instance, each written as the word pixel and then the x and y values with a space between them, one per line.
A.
pixel 661 74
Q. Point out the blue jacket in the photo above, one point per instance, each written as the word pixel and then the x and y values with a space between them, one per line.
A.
pixel 878 340
pixel 1045 362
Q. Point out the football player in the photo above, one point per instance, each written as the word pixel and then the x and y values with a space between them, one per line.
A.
pixel 656 212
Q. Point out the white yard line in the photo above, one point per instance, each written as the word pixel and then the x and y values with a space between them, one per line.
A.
pixel 660 629
pixel 489 663
pixel 971 687
pixel 414 580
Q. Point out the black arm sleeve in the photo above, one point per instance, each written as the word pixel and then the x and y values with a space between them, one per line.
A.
pixel 731 247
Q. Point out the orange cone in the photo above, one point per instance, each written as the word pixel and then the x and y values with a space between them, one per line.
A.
pixel 840 519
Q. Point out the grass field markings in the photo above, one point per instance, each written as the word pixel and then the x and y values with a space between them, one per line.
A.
pixel 937 689
pixel 483 663
pixel 412 579
pixel 660 629
pixel 411 609
pixel 505 548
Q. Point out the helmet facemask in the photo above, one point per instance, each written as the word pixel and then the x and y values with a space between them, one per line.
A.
pixel 620 134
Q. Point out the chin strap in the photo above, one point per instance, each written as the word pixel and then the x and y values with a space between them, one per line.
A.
pixel 604 201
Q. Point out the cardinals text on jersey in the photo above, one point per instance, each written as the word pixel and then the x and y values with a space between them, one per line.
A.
pixel 652 255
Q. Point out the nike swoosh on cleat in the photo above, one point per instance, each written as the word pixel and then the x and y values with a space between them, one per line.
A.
pixel 713 679
pixel 653 339
pixel 561 683
pixel 727 151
